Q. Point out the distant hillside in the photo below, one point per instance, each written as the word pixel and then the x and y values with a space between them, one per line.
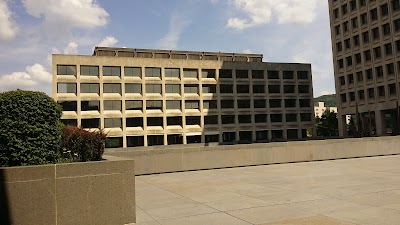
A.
pixel 330 100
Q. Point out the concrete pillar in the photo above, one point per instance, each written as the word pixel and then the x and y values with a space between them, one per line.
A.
pixel 380 118
pixel 342 126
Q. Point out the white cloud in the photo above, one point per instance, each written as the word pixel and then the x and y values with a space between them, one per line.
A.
pixel 8 28
pixel 68 14
pixel 247 51
pixel 108 41
pixel 260 12
pixel 327 93
pixel 176 27
pixel 71 49
pixel 33 78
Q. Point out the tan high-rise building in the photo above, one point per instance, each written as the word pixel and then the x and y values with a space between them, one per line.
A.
pixel 147 97
pixel 366 54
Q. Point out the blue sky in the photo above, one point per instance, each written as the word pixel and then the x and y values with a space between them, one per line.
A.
pixel 281 30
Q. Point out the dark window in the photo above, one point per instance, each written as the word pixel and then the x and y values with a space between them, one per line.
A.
pixel 354 23
pixel 337 29
pixel 227 104
pixel 374 14
pixel 336 13
pixel 90 88
pixel 375 33
pixel 134 122
pixel 302 75
pixel 70 122
pixel 377 52
pixel 229 136
pixel 261 135
pixel 367 55
pixel 345 27
pixel 113 142
pixel 392 89
pixel 258 88
pixel 225 73
pixel 275 103
pixel 172 72
pixel 304 103
pixel 90 123
pixel 153 140
pixel 347 43
pixel 112 123
pixel 361 95
pixel 258 74
pixel 112 88
pixel 66 70
pixel 288 89
pixel 259 103
pixel 154 105
pixel 211 120
pixel 343 98
pixel 356 40
pixel 364 18
pixel 371 93
pixel 379 71
pixel 353 5
pixel 388 49
pixel 228 119
pixel 174 139
pixel 274 89
pixel 365 37
pixel 304 89
pixel 89 70
pixel 386 29
pixel 390 68
pixel 66 88
pixel 344 9
pixel 369 74
pixel 305 117
pixel 153 88
pixel 360 76
pixel 112 71
pixel 288 75
pixel 245 136
pixel 277 134
pixel 209 88
pixel 292 134
pixel 135 141
pixel 273 74
pixel 208 73
pixel 350 78
pixel 361 3
pixel 342 81
pixel 349 60
pixel 243 104
pixel 211 138
pixel 209 104
pixel 68 105
pixel 90 105
pixel 340 63
pixel 134 105
pixel 152 72
pixel 381 91
pixel 290 103
pixel 112 105
pixel 352 96
pixel 276 118
pixel 155 121
pixel 396 25
pixel 339 47
pixel 291 117
pixel 193 120
pixel 133 71
pixel 260 118
pixel 242 88
pixel 395 5
pixel 192 104
pixel 358 58
pixel 398 45
pixel 244 118
pixel 133 88
pixel 242 74
pixel 384 10
pixel 226 88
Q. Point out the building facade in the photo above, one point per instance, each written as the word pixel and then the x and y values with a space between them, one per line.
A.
pixel 145 97
pixel 366 55
pixel 320 108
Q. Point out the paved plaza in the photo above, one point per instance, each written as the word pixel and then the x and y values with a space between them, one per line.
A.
pixel 340 192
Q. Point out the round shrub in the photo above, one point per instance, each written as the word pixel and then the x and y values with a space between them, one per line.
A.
pixel 30 128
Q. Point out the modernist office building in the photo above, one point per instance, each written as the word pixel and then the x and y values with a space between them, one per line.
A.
pixel 366 54
pixel 147 97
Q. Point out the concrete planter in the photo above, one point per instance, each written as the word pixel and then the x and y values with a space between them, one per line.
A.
pixel 75 193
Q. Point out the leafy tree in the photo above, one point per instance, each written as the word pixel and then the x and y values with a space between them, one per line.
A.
pixel 327 125
pixel 329 100
pixel 30 128
pixel 352 128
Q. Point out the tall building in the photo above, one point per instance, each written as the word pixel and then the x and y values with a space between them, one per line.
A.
pixel 145 97
pixel 366 54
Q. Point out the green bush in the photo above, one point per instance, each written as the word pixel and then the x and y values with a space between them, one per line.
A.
pixel 82 145
pixel 30 128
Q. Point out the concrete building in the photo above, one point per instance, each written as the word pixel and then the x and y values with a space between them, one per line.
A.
pixel 147 97
pixel 320 108
pixel 366 54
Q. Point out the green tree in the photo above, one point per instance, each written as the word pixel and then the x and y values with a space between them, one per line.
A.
pixel 352 128
pixel 30 128
pixel 327 125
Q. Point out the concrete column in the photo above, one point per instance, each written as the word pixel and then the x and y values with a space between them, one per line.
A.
pixel 342 126
pixel 380 122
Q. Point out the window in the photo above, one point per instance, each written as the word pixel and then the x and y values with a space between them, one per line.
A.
pixel 209 89
pixel 172 88
pixel 66 70
pixel 288 75
pixel 358 58
pixel 276 118
pixel 191 89
pixel 367 55
pixel 155 121
pixel 272 89
pixel 113 142
pixel 386 29
pixel 260 104
pixel 171 72
pixel 347 43
pixel 68 105
pixel 361 3
pixel 352 96
pixel 360 76
pixel 192 104
pixel 273 74
pixel 258 89
pixel 225 73
pixel 275 103
pixel 226 88
pixel 173 104
pixel 209 104
pixel 260 118
pixel 345 27
pixel 290 103
pixel 90 123
pixel 364 18
pixel 396 24
pixel 190 73
pixel 90 105
pixel 379 71
pixel 66 88
pixel 354 23
pixel 152 72
pixel 244 118
pixel 242 74
pixel 384 10
pixel 374 14
pixel 336 13
pixel 211 120
pixel 395 5
pixel 243 89
pixel 174 121
pixel 135 141
pixel 342 81
pixel 343 98
pixel 371 93
pixel 257 74
pixel 340 63
pixel 212 138
pixel 133 88
pixel 305 117
pixel 305 103
pixel 134 105
pixel 112 122
pixel 375 33
pixel 288 88
pixel 302 75
pixel 390 68
pixel 243 104
pixel 112 105
pixel 361 95
pixel 291 117
pixel 112 71
pixel 153 88
pixel 344 9
pixel 193 120
pixel 89 70
pixel 208 73
pixel 377 52
pixel 90 88
pixel 349 60
pixel 227 104
pixel 388 49
pixel 228 119
pixel 365 37
pixel 398 45
pixel 71 122
pixel 154 105
pixel 356 40
pixel 304 89
pixel 112 88
pixel 134 122
pixel 339 47
pixel 337 29
pixel 381 91
pixel 228 136
pixel 392 89
pixel 353 5
pixel 133 71
pixel 153 140
pixel 369 74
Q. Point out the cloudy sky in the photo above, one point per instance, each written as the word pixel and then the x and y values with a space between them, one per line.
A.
pixel 281 30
